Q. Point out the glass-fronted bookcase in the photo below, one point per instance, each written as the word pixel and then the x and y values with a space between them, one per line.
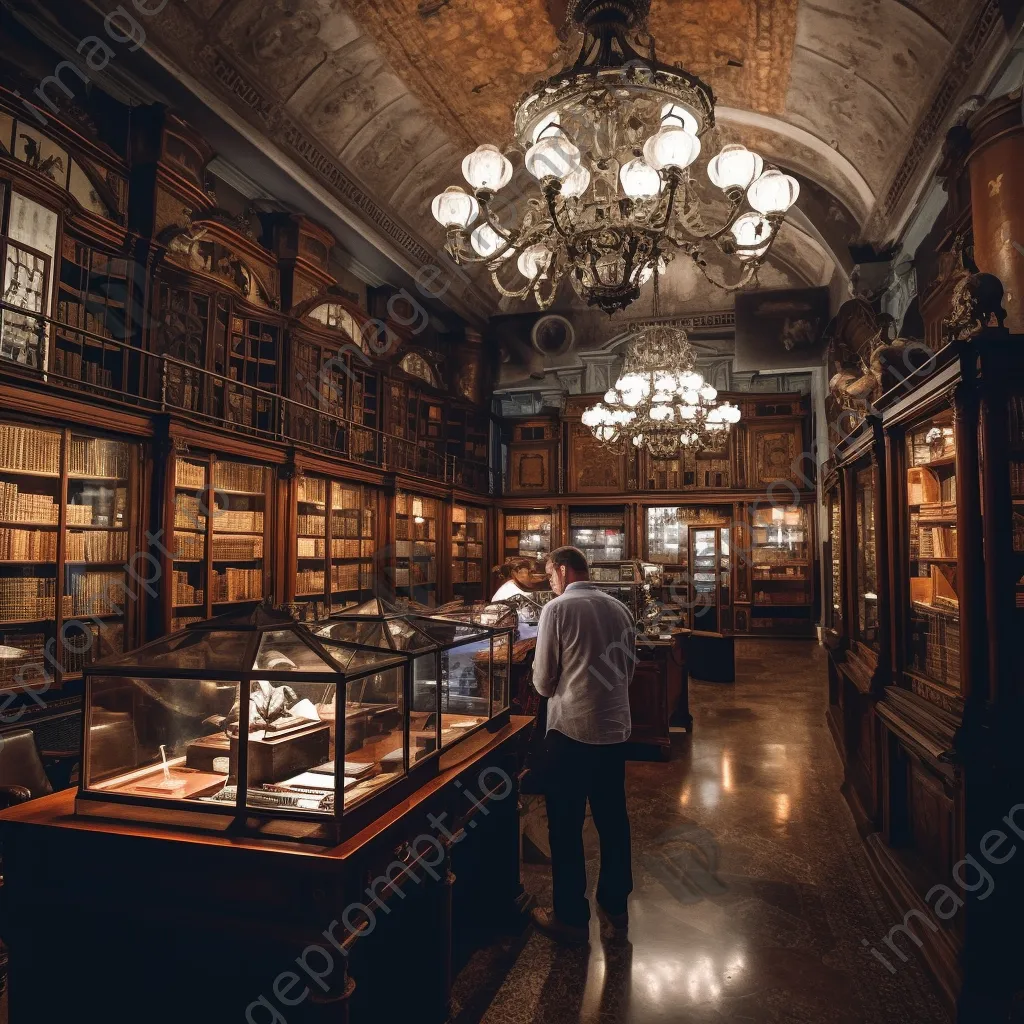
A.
pixel 692 545
pixel 781 563
pixel 218 543
pixel 930 524
pixel 335 542
pixel 417 520
pixel 468 551
pixel 70 583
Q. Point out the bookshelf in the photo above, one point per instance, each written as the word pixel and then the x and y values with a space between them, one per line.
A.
pixel 1016 448
pixel 67 534
pixel 94 294
pixel 469 534
pixel 364 388
pixel 933 636
pixel 527 534
pixel 335 543
pixel 353 523
pixel 416 522
pixel 219 542
pixel 780 570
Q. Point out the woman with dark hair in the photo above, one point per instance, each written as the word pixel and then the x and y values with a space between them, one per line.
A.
pixel 517 576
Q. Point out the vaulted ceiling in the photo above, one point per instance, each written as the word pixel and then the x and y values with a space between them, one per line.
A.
pixel 378 100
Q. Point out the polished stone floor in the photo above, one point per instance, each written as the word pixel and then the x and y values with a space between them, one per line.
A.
pixel 753 893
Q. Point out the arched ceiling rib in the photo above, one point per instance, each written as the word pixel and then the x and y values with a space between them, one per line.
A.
pixel 382 98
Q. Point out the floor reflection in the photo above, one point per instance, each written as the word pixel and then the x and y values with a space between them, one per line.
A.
pixel 752 888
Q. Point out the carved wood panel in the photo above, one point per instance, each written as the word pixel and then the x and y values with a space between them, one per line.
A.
pixel 930 823
pixel 592 467
pixel 530 469
pixel 776 454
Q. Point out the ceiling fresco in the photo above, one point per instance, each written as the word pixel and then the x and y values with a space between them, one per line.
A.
pixel 378 100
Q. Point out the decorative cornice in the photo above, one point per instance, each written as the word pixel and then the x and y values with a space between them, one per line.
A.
pixel 956 74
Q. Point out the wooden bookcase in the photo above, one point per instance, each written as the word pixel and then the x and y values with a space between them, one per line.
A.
pixel 69 530
pixel 218 522
pixel 469 575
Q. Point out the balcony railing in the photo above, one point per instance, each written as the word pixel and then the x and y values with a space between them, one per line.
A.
pixel 85 362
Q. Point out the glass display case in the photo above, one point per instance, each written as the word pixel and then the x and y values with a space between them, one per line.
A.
pixel 780 560
pixel 933 637
pixel 629 582
pixel 528 534
pixel 469 536
pixel 460 663
pixel 711 576
pixel 416 547
pixel 866 557
pixel 343 718
pixel 600 533
pixel 668 539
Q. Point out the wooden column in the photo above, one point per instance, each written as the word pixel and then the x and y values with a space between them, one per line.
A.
pixel 895 471
pixel 883 565
pixel 997 198
pixel 970 550
pixel 849 542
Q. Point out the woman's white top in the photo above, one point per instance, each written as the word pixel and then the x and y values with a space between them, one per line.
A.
pixel 512 589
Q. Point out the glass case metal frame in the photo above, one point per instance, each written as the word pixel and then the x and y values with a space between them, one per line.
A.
pixel 335 663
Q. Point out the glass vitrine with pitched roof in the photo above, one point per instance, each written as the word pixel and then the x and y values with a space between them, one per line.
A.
pixel 254 721
pixel 461 664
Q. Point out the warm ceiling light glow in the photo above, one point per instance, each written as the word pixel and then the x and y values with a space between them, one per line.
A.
pixel 616 107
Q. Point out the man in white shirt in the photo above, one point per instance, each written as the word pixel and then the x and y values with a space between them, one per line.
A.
pixel 586 651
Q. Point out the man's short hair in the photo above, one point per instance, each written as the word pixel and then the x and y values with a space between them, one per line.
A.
pixel 569 556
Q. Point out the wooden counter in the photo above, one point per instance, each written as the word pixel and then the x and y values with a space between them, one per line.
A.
pixel 658 695
pixel 131 922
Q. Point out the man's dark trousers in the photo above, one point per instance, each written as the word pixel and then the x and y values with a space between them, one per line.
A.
pixel 575 773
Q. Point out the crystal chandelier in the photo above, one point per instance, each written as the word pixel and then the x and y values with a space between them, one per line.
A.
pixel 660 402
pixel 611 140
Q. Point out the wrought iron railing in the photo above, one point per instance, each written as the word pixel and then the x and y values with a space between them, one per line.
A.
pixel 81 361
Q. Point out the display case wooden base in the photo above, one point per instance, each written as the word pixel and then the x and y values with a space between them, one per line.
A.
pixel 171 925
pixel 658 696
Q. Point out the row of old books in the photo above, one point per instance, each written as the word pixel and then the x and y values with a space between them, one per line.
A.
pixel 28 545
pixel 533 524
pixel 311 525
pixel 1017 420
pixel 936 542
pixel 309 581
pixel 98 457
pixel 189 474
pixel 189 512
pixel 239 549
pixel 351 548
pixel 189 547
pixel 238 585
pixel 467 572
pixel 344 577
pixel 238 476
pixel 97 593
pixel 28 598
pixel 237 521
pixel 347 523
pixel 33 451
pixel 97 546
pixel 182 591
pixel 25 507
pixel 601 520
pixel 86 371
pixel 311 547
pixel 1018 532
pixel 313 490
pixel 461 549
